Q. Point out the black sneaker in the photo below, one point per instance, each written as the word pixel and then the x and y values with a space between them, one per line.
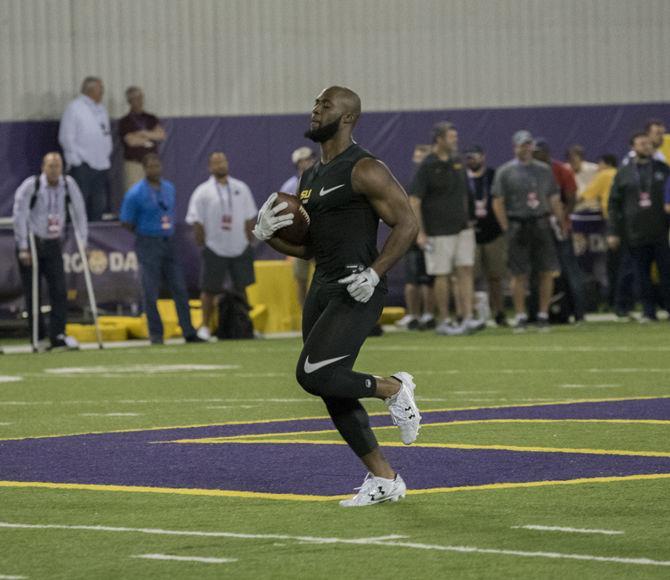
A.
pixel 194 338
pixel 542 324
pixel 501 319
pixel 58 343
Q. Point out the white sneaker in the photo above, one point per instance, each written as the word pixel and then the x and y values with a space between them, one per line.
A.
pixel 377 490
pixel 204 333
pixel 71 342
pixel 404 412
pixel 406 321
pixel 474 324
pixel 447 329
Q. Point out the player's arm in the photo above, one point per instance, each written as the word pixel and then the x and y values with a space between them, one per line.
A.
pixel 374 180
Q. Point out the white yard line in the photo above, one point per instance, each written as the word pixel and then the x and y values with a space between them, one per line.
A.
pixel 5 577
pixel 110 414
pixel 580 386
pixel 569 530
pixel 10 379
pixel 354 541
pixel 185 558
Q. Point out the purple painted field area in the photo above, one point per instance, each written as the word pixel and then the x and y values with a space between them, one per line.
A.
pixel 146 458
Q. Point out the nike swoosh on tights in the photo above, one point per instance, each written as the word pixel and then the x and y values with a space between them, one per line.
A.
pixel 327 191
pixel 311 367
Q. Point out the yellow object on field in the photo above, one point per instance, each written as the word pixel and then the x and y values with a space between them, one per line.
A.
pixel 86 332
pixel 390 314
pixel 275 288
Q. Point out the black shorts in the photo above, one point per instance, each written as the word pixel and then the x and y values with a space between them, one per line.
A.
pixel 216 270
pixel 531 247
pixel 415 268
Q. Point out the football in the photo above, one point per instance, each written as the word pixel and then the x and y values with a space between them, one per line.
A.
pixel 296 233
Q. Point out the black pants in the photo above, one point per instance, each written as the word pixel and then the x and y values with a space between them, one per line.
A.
pixel 334 328
pixel 94 189
pixel 50 262
pixel 643 257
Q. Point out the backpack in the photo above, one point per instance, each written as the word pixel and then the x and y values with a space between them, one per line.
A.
pixel 234 321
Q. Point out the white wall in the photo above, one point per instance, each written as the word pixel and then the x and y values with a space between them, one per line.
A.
pixel 238 57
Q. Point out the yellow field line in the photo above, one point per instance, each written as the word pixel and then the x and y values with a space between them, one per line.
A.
pixel 587 451
pixel 280 420
pixel 320 498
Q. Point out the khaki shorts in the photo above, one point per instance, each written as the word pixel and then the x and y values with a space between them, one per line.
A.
pixel 491 258
pixel 450 251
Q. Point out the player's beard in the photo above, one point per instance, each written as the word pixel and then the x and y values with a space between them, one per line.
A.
pixel 325 132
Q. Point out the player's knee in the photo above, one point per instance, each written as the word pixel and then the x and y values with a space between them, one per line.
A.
pixel 313 382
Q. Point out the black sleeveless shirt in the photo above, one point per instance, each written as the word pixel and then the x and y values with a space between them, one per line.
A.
pixel 343 224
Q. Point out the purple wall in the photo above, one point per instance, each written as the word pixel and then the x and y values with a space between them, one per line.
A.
pixel 259 147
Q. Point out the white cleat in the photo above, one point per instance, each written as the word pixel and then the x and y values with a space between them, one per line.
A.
pixel 377 490
pixel 404 412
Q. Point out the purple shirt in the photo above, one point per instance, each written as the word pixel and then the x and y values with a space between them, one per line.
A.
pixel 137 122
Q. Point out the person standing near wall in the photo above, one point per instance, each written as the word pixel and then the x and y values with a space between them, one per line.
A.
pixel 440 198
pixel 86 139
pixel 140 133
pixel 40 208
pixel 524 195
pixel 303 158
pixel 222 212
pixel 491 252
pixel 637 219
pixel 583 171
pixel 148 210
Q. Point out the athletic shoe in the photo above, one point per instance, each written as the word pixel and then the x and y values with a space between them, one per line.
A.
pixel 71 342
pixel 377 490
pixel 520 324
pixel 542 324
pixel 62 342
pixel 427 321
pixel 408 322
pixel 204 333
pixel 448 329
pixel 195 339
pixel 404 412
pixel 501 319
pixel 644 319
pixel 474 325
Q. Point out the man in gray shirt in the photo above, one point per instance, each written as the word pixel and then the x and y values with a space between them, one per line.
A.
pixel 40 208
pixel 524 194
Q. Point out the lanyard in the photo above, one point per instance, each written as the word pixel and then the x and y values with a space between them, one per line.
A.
pixel 485 185
pixel 644 178
pixel 157 196
pixel 220 190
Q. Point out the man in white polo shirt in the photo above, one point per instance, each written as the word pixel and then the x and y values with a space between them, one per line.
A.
pixel 222 212
pixel 86 139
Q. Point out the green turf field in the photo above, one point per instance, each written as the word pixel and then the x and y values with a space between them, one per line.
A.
pixel 614 526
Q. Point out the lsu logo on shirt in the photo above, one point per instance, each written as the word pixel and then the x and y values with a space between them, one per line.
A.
pixel 304 195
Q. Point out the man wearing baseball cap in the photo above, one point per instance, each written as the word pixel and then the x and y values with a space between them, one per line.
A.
pixel 524 195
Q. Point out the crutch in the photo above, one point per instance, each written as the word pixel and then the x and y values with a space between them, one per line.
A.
pixel 35 292
pixel 87 274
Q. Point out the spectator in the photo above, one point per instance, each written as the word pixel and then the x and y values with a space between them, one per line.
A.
pixel 440 198
pixel 40 207
pixel 596 195
pixel 571 273
pixel 637 220
pixel 148 210
pixel 140 133
pixel 655 130
pixel 491 253
pixel 86 139
pixel 303 158
pixel 584 171
pixel 525 193
pixel 222 212
pixel 419 295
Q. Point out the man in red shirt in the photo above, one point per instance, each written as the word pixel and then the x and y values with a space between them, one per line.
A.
pixel 570 271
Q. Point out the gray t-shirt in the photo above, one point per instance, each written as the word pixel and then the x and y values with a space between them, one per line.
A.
pixel 525 187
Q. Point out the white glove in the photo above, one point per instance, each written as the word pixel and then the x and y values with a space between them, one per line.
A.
pixel 361 286
pixel 268 222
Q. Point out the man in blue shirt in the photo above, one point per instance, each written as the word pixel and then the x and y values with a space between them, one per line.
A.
pixel 148 211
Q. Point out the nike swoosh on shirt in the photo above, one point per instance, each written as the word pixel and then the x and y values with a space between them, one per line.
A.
pixel 311 367
pixel 327 191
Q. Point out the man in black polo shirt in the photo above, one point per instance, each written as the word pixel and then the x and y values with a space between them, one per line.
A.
pixel 440 198
pixel 637 219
